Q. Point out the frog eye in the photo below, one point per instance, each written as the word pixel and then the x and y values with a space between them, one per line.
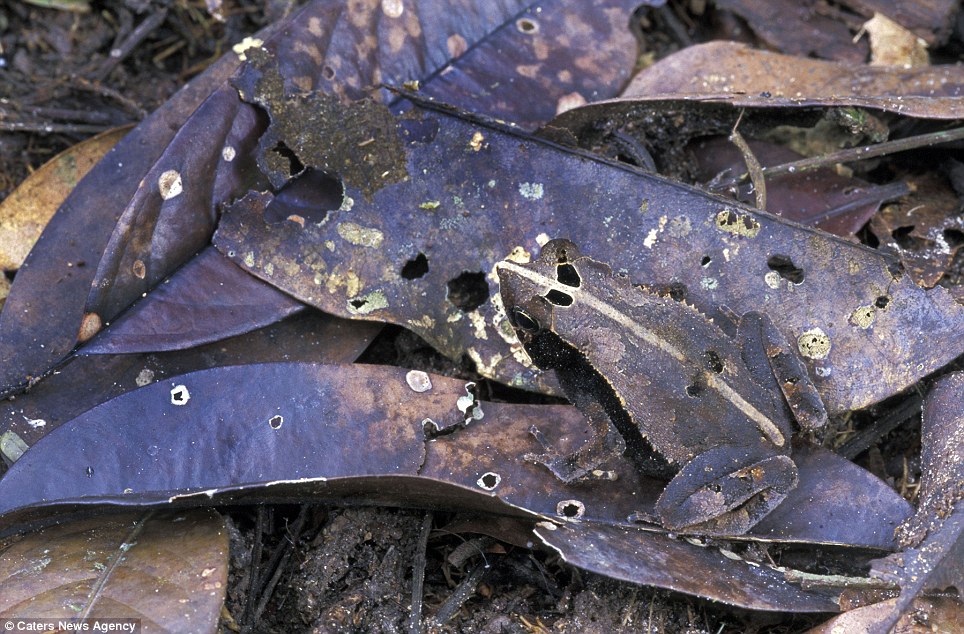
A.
pixel 523 321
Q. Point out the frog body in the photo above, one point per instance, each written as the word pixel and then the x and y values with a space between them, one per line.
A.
pixel 658 378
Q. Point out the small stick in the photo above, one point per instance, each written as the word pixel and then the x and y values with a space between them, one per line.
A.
pixel 418 576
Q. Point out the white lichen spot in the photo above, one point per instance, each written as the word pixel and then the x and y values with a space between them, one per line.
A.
pixel 490 184
pixel 366 304
pixel 347 203
pixel 330 245
pixel 269 268
pixel 531 191
pixel 419 381
pixel 863 317
pixel 476 141
pixel 360 236
pixel 823 371
pixel 425 321
pixel 772 278
pixel 169 184
pixel 12 446
pixel 180 395
pixel 241 48
pixel 680 227
pixel 731 221
pixel 249 259
pixel 455 317
pixel 228 153
pixel 144 377
pixel 814 344
pixel 469 405
pixel 650 239
pixel 726 254
pixel 569 101
pixel 393 8
pixel 519 255
pixel 478 324
pixel 35 423
pixel 485 368
pixel 542 239
pixel 489 481
pixel 709 283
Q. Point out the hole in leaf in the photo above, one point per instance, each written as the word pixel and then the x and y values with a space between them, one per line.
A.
pixel 357 303
pixel 416 267
pixel 705 260
pixel 276 421
pixel 527 25
pixel 953 237
pixel 784 266
pixel 468 291
pixel 559 298
pixel 713 361
pixel 694 390
pixel 902 237
pixel 306 198
pixel 570 508
pixel 328 72
pixel 568 275
pixel 677 291
pixel 882 301
pixel 295 166
pixel 489 480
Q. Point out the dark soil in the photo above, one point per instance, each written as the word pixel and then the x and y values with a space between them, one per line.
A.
pixel 317 569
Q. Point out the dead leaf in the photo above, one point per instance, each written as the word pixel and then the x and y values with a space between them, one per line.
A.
pixel 85 381
pixel 933 539
pixel 155 203
pixel 926 615
pixel 25 212
pixel 469 209
pixel 166 571
pixel 742 76
pixel 208 299
pixel 893 45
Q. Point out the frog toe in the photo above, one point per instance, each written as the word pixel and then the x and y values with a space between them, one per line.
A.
pixel 708 496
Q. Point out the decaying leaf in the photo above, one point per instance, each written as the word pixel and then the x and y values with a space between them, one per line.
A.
pixel 208 299
pixel 933 539
pixel 421 253
pixel 168 571
pixel 658 560
pixel 927 615
pixel 742 76
pixel 286 432
pixel 924 229
pixel 154 202
pixel 25 212
pixel 85 381
pixel 893 45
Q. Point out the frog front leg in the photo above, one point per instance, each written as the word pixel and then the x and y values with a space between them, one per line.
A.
pixel 725 491
pixel 603 444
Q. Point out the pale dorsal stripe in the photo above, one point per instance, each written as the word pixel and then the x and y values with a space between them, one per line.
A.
pixel 767 426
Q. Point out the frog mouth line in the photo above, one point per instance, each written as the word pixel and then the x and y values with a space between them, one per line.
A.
pixel 767 427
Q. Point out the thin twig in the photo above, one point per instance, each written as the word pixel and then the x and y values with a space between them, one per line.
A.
pixel 118 53
pixel 463 592
pixel 279 569
pixel 752 165
pixel 856 154
pixel 882 426
pixel 418 575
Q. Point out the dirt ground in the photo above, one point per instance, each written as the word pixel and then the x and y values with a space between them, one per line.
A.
pixel 319 569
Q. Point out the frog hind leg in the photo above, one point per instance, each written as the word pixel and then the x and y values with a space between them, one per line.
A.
pixel 711 497
pixel 772 360
pixel 604 444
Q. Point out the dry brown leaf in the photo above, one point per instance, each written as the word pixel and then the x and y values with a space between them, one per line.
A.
pixel 893 45
pixel 167 570
pixel 25 212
